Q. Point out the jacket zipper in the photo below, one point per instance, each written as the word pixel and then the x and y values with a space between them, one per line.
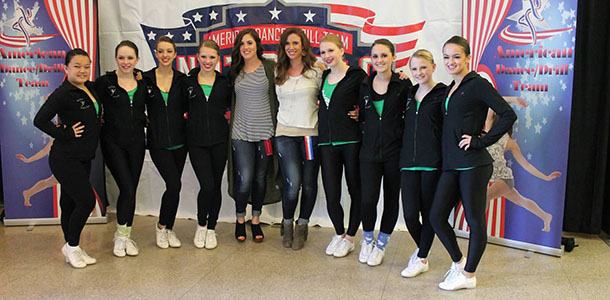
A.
pixel 169 136
pixel 415 133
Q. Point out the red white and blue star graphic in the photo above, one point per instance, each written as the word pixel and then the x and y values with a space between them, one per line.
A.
pixel 355 25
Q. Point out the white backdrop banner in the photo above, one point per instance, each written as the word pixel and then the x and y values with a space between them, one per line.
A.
pixel 411 25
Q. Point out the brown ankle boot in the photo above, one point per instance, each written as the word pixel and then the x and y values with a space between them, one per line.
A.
pixel 287 235
pixel 300 236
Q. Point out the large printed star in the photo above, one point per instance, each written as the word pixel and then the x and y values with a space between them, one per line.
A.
pixel 275 14
pixel 240 16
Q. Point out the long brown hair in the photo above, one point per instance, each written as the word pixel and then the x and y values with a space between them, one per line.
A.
pixel 283 62
pixel 237 62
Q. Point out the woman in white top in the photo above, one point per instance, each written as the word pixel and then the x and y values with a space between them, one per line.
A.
pixel 297 84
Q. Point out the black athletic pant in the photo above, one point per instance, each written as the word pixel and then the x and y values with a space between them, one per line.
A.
pixel 418 189
pixel 209 165
pixel 471 187
pixel 170 164
pixel 77 199
pixel 371 175
pixel 125 165
pixel 333 160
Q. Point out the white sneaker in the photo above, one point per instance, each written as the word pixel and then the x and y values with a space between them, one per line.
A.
pixel 119 245
pixel 344 248
pixel 86 258
pixel 416 266
pixel 162 238
pixel 173 240
pixel 200 236
pixel 457 281
pixel 365 251
pixel 332 246
pixel 131 248
pixel 73 256
pixel 210 239
pixel 376 257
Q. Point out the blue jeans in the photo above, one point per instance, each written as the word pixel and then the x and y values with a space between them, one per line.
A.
pixel 298 171
pixel 250 164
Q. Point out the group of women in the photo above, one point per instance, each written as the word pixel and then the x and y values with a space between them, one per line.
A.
pixel 277 125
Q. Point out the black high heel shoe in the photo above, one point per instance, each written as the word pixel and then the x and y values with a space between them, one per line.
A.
pixel 240 231
pixel 257 232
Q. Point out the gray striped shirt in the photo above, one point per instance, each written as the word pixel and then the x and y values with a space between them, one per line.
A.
pixel 252 116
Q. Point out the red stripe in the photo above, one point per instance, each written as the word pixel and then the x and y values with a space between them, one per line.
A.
pixel 406 46
pixel 93 40
pixel 502 219
pixel 75 25
pixel 55 201
pixel 69 36
pixel 402 62
pixel 351 10
pixel 494 218
pixel 347 25
pixel 392 31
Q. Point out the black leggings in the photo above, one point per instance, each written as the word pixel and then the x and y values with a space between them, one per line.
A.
pixel 333 159
pixel 471 186
pixel 125 165
pixel 418 189
pixel 371 174
pixel 77 199
pixel 209 165
pixel 170 164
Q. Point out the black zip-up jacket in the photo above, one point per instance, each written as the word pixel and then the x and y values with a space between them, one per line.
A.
pixel 166 127
pixel 382 135
pixel 334 123
pixel 421 141
pixel 206 124
pixel 123 121
pixel 71 105
pixel 466 114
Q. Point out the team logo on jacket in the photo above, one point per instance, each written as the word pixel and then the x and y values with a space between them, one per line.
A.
pixel 191 92
pixel 367 101
pixel 83 103
pixel 354 25
pixel 112 91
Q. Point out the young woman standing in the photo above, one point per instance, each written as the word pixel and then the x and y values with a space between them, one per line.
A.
pixel 75 141
pixel 297 84
pixel 254 108
pixel 383 98
pixel 165 135
pixel 339 141
pixel 207 133
pixel 420 157
pixel 467 166
pixel 122 137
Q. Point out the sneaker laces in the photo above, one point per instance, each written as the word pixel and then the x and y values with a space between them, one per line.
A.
pixel 163 236
pixel 131 243
pixel 450 274
pixel 75 254
pixel 200 235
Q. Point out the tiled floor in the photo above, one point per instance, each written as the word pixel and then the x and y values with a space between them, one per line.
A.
pixel 32 267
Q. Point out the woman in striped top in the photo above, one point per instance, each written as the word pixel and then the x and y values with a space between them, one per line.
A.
pixel 254 109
